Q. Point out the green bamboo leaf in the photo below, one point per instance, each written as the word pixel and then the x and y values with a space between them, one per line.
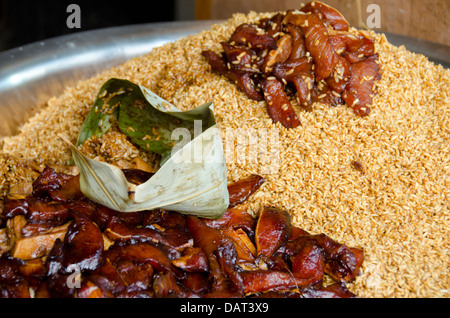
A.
pixel 192 181
pixel 147 119
pixel 104 111
pixel 102 183
pixel 192 178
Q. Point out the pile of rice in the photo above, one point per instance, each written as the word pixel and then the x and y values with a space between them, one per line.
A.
pixel 396 206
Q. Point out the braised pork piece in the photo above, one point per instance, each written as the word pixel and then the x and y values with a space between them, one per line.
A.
pixel 307 54
pixel 55 237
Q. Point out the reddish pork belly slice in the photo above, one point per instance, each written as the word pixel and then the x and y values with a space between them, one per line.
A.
pixel 241 79
pixel 273 228
pixel 298 42
pixel 317 42
pixel 248 34
pixel 239 191
pixel 329 14
pixel 359 91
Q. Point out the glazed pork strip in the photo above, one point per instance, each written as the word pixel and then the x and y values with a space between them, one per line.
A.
pixel 162 253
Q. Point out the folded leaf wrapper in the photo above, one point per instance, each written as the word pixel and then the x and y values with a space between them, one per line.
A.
pixel 192 178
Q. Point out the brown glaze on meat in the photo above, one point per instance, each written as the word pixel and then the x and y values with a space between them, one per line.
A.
pixel 359 91
pixel 272 230
pixel 311 51
pixel 241 79
pixel 240 191
pixel 330 15
pixel 166 254
pixel 317 42
pixel 278 104
pixel 298 42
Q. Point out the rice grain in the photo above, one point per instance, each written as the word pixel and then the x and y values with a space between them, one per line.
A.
pixel 397 210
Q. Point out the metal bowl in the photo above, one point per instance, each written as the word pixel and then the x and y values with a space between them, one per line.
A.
pixel 31 74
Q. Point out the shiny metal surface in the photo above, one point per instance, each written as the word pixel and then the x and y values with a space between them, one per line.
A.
pixel 31 74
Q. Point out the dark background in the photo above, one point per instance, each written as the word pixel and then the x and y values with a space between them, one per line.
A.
pixel 23 22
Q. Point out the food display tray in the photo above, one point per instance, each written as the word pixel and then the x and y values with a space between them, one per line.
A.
pixel 31 74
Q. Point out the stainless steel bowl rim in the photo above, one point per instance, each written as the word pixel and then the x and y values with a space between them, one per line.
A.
pixel 31 74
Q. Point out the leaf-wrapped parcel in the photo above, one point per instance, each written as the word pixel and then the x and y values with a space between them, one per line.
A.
pixel 192 178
